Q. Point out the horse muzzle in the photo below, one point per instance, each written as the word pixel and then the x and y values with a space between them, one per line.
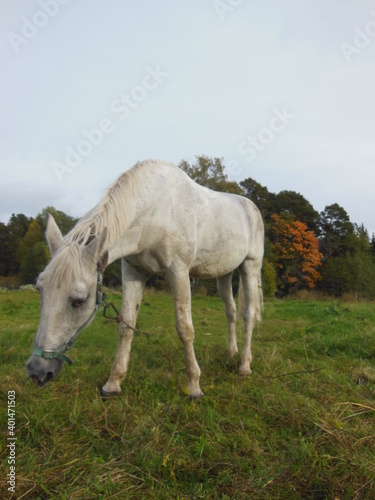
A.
pixel 43 370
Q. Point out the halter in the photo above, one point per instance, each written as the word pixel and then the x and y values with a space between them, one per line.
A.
pixel 58 353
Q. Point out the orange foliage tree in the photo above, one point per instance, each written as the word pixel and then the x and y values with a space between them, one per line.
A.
pixel 296 252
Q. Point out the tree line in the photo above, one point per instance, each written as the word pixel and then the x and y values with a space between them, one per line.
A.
pixel 304 249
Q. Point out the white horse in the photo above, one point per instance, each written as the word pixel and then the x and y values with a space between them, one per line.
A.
pixel 159 222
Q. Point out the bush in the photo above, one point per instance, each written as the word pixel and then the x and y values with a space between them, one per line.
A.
pixel 350 274
pixel 34 262
pixel 269 279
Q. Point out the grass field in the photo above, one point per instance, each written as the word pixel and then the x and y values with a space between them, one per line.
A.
pixel 302 426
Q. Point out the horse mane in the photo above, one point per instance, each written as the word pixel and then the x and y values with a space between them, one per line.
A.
pixel 65 266
pixel 113 212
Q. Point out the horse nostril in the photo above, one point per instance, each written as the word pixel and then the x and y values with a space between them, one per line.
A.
pixel 49 376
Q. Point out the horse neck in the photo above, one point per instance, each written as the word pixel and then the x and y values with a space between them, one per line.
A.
pixel 113 214
pixel 131 200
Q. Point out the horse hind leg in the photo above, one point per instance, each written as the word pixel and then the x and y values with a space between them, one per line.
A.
pixel 224 287
pixel 253 299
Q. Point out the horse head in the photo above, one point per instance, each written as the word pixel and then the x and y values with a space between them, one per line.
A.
pixel 70 292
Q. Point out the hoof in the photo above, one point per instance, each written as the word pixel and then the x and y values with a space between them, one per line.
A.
pixel 105 395
pixel 245 373
pixel 195 397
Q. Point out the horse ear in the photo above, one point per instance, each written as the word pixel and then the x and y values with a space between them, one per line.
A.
pixel 103 262
pixel 53 235
pixel 95 253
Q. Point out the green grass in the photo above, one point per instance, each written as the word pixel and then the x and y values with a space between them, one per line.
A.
pixel 302 426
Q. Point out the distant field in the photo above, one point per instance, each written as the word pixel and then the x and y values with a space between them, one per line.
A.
pixel 302 426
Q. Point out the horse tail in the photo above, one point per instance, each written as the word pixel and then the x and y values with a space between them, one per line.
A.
pixel 260 294
pixel 241 299
pixel 258 299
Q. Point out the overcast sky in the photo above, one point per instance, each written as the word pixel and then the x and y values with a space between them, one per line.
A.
pixel 283 90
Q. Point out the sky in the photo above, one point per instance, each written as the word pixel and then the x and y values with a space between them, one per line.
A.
pixel 283 91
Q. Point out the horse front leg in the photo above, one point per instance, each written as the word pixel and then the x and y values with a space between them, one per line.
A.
pixel 133 284
pixel 181 293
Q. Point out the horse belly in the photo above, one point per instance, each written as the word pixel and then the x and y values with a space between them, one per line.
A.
pixel 217 261
pixel 222 238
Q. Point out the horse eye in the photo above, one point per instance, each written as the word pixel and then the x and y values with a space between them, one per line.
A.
pixel 78 303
